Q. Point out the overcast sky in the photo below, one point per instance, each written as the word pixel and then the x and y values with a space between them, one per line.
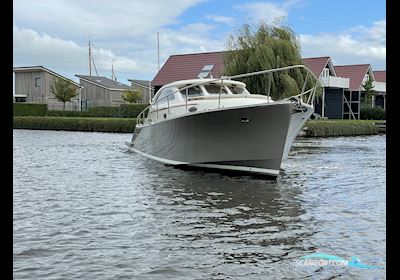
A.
pixel 54 33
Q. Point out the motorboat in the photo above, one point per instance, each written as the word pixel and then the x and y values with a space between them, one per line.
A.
pixel 219 124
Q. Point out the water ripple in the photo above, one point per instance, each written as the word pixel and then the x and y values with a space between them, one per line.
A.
pixel 87 208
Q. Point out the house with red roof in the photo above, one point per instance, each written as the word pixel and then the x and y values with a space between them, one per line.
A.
pixel 379 98
pixel 330 104
pixel 358 75
pixel 342 84
pixel 188 66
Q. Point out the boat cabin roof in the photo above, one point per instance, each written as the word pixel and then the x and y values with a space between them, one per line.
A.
pixel 184 83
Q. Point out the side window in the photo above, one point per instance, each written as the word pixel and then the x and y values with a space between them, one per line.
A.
pixel 215 89
pixel 37 82
pixel 237 90
pixel 192 92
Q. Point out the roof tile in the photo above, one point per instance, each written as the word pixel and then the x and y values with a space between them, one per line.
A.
pixel 380 76
pixel 316 64
pixel 188 66
pixel 356 74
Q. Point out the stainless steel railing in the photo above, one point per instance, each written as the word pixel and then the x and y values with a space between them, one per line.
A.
pixel 141 118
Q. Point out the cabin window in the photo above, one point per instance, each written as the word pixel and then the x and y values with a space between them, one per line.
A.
pixel 37 82
pixel 192 92
pixel 215 89
pixel 238 90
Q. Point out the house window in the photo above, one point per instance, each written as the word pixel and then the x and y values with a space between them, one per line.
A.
pixel 37 82
pixel 325 72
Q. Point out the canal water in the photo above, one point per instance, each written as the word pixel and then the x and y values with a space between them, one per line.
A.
pixel 84 207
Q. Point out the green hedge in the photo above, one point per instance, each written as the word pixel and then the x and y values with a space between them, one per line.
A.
pixel 123 111
pixel 75 124
pixel 29 109
pixel 368 113
pixel 325 128
pixel 105 112
pixel 131 110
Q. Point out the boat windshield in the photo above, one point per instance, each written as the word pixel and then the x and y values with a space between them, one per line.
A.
pixel 166 95
pixel 238 90
pixel 215 89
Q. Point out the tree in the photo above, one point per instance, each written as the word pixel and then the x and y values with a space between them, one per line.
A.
pixel 369 90
pixel 63 90
pixel 263 47
pixel 131 96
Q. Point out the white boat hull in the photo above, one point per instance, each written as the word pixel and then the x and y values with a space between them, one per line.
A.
pixel 299 117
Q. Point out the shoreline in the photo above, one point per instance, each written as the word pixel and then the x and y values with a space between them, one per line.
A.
pixel 333 128
pixel 312 128
pixel 89 124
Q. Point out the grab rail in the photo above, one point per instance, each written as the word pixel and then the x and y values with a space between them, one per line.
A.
pixel 140 119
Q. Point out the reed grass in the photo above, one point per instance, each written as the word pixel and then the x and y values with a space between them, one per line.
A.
pixel 327 128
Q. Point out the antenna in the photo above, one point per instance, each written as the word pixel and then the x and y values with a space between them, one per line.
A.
pixel 113 77
pixel 90 55
pixel 158 50
pixel 95 66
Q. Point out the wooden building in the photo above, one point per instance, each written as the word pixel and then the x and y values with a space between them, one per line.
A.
pixel 143 87
pixel 358 75
pixel 32 84
pixel 330 104
pixel 379 98
pixel 101 91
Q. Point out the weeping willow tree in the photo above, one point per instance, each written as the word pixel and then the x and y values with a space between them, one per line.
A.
pixel 262 47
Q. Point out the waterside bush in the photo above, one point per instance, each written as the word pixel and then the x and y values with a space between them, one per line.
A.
pixel 75 123
pixel 326 128
pixel 368 113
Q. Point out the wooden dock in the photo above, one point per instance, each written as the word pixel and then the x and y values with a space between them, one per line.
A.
pixel 381 125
